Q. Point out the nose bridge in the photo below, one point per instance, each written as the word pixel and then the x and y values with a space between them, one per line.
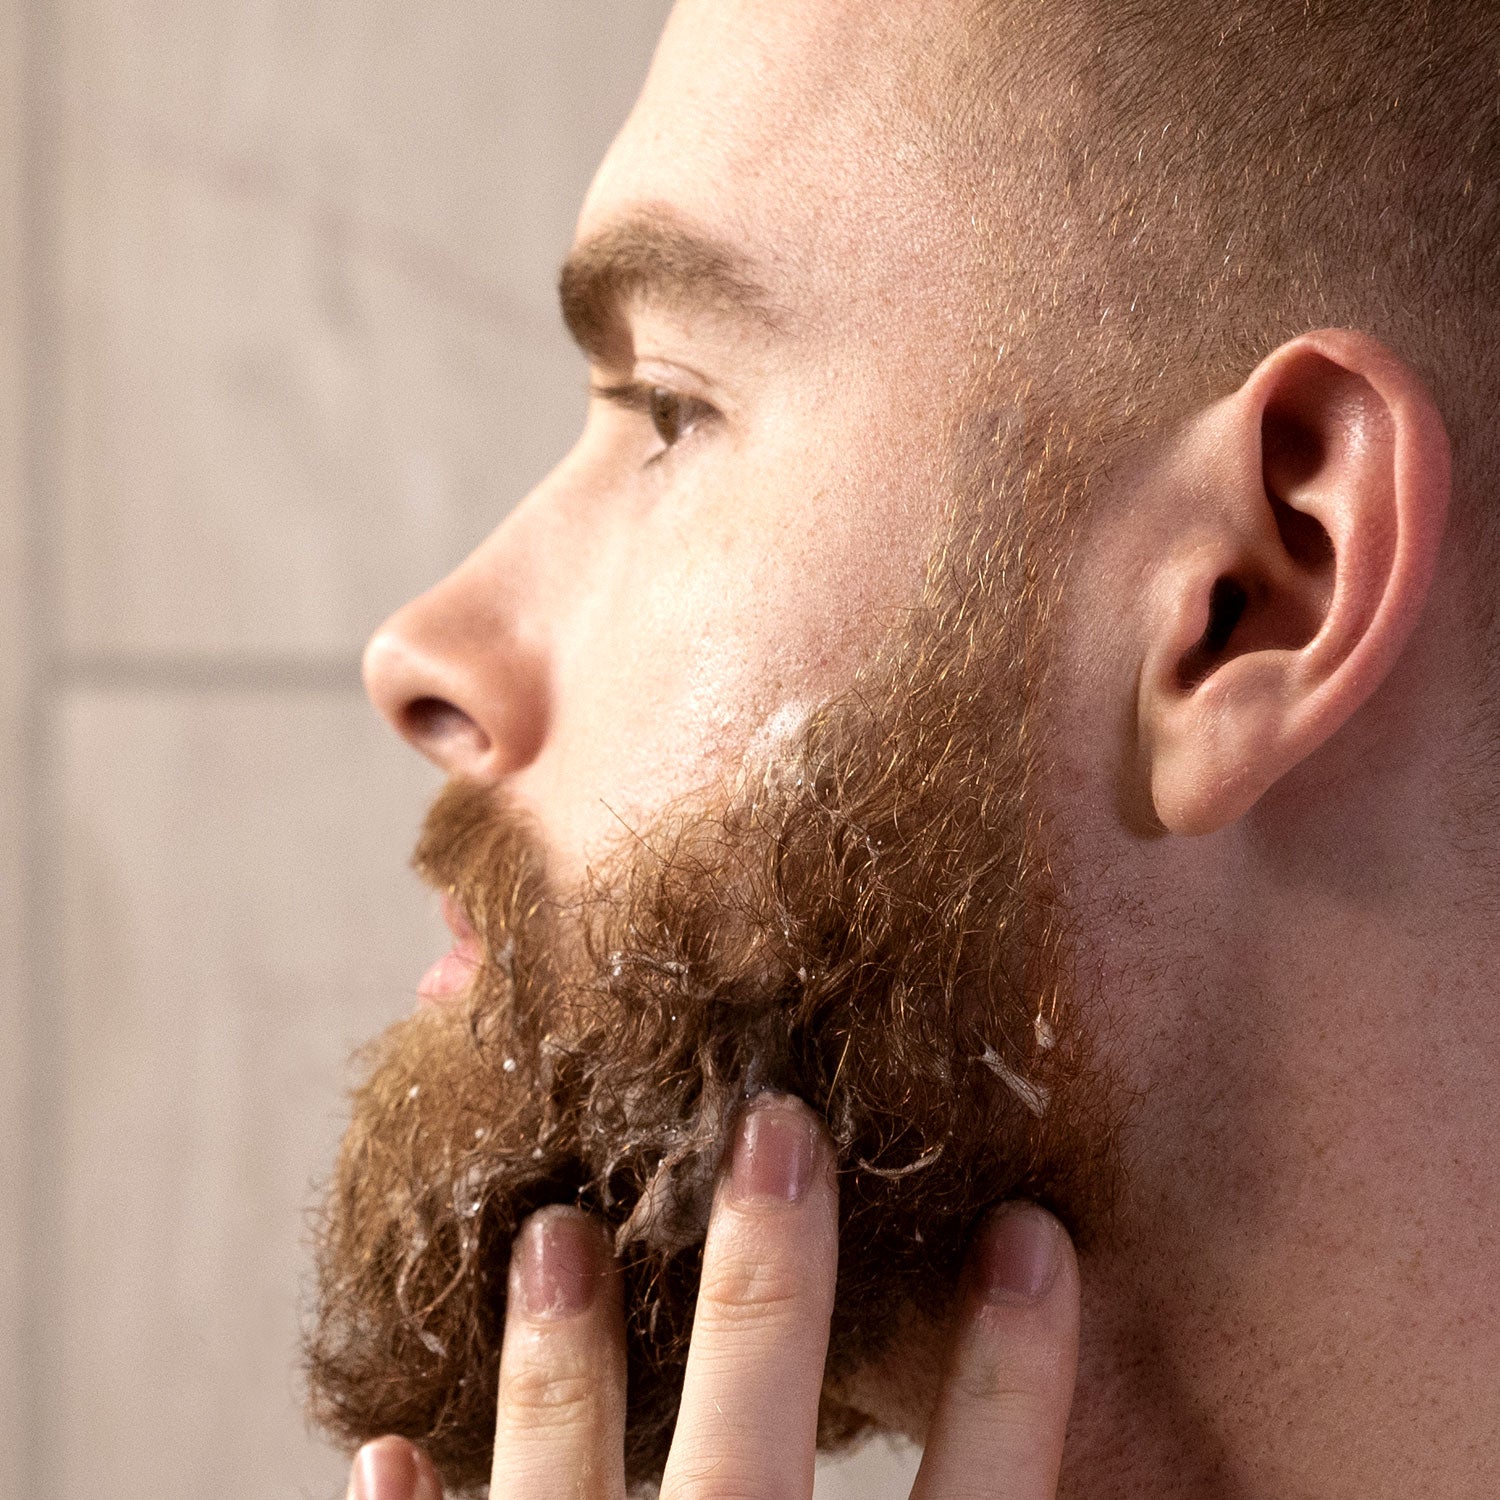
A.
pixel 461 671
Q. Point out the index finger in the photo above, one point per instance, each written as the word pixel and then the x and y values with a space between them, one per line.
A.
pixel 1002 1411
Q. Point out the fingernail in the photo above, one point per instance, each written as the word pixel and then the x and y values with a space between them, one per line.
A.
pixel 775 1150
pixel 385 1470
pixel 1018 1254
pixel 558 1263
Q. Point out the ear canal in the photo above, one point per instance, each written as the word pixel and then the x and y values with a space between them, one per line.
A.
pixel 1248 611
pixel 1280 603
pixel 1227 602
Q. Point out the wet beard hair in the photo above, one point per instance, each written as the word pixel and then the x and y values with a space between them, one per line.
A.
pixel 870 927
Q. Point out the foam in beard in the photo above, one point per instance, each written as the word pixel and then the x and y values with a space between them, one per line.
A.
pixel 773 749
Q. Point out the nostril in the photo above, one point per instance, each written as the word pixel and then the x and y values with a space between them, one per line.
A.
pixel 442 728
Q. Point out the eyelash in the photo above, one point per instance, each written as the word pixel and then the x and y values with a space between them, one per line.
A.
pixel 654 402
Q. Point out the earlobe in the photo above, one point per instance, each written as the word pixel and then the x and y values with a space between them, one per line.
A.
pixel 1308 540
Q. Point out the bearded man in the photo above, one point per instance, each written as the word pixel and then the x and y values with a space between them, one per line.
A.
pixel 994 720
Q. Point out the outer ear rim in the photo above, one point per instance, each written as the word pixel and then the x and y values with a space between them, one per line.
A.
pixel 1249 763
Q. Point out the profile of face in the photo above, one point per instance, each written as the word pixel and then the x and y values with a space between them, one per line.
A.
pixel 739 709
pixel 749 710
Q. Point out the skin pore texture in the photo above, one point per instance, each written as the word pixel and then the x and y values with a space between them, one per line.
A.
pixel 1251 777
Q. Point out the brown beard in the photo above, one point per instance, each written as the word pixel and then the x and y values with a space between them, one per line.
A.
pixel 872 928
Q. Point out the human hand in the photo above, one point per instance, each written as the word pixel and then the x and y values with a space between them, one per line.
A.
pixel 748 1418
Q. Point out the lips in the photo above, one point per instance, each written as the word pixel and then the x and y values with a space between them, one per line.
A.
pixel 451 974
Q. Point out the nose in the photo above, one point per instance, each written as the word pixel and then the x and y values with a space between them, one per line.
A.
pixel 455 674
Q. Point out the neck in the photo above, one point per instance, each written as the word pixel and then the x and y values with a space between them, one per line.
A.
pixel 1303 1298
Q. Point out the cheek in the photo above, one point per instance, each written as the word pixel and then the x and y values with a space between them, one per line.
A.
pixel 709 628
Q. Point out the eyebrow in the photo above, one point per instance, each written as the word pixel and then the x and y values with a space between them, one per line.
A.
pixel 651 256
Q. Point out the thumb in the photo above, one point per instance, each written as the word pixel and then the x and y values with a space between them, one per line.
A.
pixel 391 1468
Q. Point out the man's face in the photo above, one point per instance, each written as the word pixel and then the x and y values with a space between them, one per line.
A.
pixel 741 707
pixel 647 616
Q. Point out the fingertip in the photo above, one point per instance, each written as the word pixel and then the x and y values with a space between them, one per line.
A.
pixel 1003 1406
pixel 560 1262
pixel 393 1468
pixel 1020 1255
pixel 779 1152
pixel 560 1399
pixel 1020 1326
pixel 750 1399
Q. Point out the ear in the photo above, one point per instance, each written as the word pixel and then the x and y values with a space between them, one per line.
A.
pixel 1311 507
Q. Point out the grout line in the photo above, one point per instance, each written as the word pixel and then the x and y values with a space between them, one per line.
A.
pixel 172 673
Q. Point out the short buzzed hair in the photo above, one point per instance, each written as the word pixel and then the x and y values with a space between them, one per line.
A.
pixel 1194 182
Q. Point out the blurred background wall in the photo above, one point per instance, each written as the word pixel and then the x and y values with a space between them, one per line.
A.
pixel 277 347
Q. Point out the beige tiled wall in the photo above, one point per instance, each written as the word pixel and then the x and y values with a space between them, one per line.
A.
pixel 288 350
pixel 15 659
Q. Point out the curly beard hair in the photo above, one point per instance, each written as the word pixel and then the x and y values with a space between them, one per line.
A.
pixel 870 927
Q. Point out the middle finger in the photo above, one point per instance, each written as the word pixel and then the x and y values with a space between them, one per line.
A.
pixel 749 1414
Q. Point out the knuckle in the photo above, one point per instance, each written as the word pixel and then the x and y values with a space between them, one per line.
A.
pixel 1013 1400
pixel 538 1396
pixel 742 1295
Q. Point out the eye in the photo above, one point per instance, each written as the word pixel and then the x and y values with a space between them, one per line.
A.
pixel 671 414
pixel 668 412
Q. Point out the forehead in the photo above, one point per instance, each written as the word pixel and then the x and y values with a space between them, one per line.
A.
pixel 797 130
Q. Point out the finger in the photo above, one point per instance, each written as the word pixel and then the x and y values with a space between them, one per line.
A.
pixel 1002 1410
pixel 391 1468
pixel 749 1414
pixel 560 1419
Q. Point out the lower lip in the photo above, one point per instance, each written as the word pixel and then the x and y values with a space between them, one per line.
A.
pixel 448 977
